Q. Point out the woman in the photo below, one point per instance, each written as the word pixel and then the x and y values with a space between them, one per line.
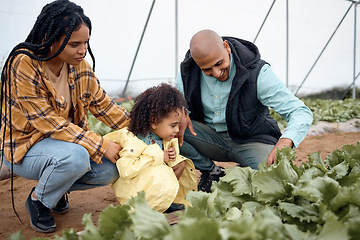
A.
pixel 47 90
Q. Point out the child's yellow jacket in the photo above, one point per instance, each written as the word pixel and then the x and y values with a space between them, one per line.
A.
pixel 142 168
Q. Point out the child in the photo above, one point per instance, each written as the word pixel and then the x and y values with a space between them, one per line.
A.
pixel 150 160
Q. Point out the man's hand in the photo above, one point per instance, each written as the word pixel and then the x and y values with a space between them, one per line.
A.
pixel 112 152
pixel 279 145
pixel 185 123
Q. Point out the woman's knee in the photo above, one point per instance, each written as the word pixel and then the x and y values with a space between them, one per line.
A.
pixel 77 158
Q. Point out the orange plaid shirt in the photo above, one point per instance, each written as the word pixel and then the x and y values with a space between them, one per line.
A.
pixel 38 111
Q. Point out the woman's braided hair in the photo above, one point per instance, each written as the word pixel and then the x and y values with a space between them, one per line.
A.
pixel 152 106
pixel 57 19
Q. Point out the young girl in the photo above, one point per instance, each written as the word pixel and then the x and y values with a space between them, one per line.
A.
pixel 46 93
pixel 150 160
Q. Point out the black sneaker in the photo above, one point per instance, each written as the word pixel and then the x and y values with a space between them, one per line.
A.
pixel 206 180
pixel 175 207
pixel 62 206
pixel 41 219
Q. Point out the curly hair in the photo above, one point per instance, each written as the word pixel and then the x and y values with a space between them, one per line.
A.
pixel 152 106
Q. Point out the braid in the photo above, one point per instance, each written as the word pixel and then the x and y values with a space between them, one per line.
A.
pixel 49 24
pixel 92 56
pixel 57 19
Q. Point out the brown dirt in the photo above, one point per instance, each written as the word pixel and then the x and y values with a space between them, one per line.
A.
pixel 95 200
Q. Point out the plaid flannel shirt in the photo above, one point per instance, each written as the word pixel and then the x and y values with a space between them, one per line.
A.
pixel 38 111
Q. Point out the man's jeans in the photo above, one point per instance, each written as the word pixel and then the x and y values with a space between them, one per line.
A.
pixel 210 145
pixel 60 167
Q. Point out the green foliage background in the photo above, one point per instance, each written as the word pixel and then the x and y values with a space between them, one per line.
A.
pixel 327 110
pixel 322 109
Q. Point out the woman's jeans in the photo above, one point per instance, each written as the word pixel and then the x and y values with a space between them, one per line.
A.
pixel 60 167
pixel 210 145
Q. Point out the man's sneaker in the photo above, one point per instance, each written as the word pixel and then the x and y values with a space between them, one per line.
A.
pixel 62 206
pixel 41 219
pixel 206 179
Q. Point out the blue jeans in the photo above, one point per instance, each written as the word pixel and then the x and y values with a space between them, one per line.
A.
pixel 61 166
pixel 210 145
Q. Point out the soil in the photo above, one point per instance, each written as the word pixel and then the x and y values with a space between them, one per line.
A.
pixel 95 200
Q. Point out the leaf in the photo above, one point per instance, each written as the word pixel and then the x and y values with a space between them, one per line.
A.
pixel 252 206
pixel 352 220
pixel 307 213
pixel 147 223
pixel 351 177
pixel 354 152
pixel 198 206
pixel 342 199
pixel 333 229
pixel 68 235
pixel 114 219
pixel 214 205
pixel 320 189
pixel 270 226
pixel 234 214
pixel 239 179
pixel 217 206
pixel 287 154
pixel 195 229
pixel 334 158
pixel 127 105
pixel 339 171
pixel 91 232
pixel 16 236
pixel 125 234
pixel 275 183
pixel 225 190
pixel 316 161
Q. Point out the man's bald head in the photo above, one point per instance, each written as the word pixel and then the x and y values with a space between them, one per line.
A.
pixel 204 42
pixel 211 54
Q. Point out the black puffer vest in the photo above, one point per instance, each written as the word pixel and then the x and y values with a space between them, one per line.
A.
pixel 247 119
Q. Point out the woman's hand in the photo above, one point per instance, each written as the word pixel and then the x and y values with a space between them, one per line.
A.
pixel 112 152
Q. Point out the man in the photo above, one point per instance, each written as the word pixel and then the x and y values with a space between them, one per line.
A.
pixel 229 90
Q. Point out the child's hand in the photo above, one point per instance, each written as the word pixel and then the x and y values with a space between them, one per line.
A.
pixel 169 155
pixel 166 156
pixel 172 153
pixel 178 169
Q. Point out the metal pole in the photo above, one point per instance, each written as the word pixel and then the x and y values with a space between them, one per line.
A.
pixel 354 67
pixel 322 51
pixel 348 88
pixel 137 50
pixel 264 21
pixel 176 38
pixel 287 43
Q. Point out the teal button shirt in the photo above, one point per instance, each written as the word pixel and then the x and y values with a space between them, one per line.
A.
pixel 271 92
